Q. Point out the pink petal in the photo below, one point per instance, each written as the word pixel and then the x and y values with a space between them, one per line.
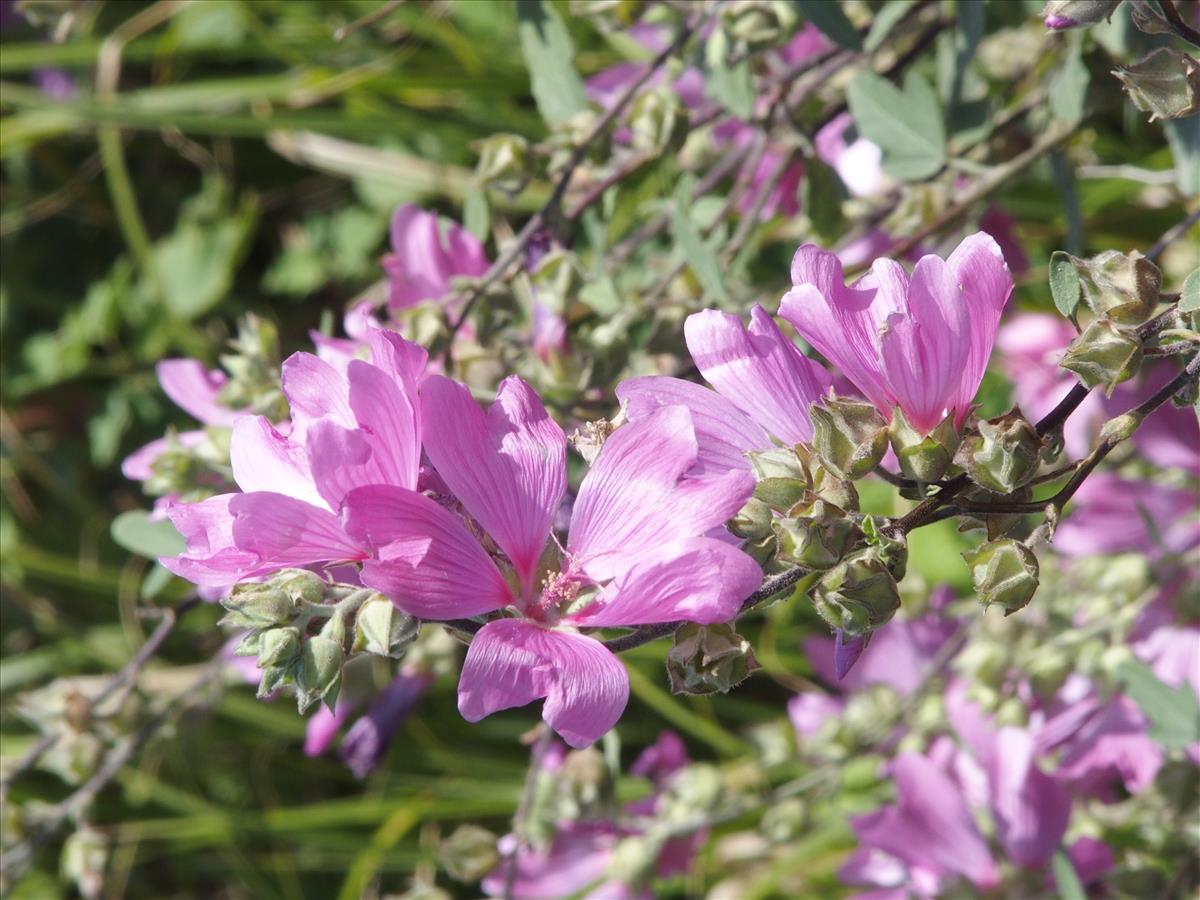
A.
pixel 389 417
pixel 1031 809
pixel 425 559
pixel 930 825
pixel 985 283
pixel 342 460
pixel 512 662
pixel 315 389
pixel 723 432
pixel 633 498
pixel 422 263
pixel 139 465
pixel 508 468
pixel 193 387
pixel 810 711
pixel 840 322
pixel 211 558
pixel 284 531
pixel 403 360
pixel 695 579
pixel 758 370
pixel 265 460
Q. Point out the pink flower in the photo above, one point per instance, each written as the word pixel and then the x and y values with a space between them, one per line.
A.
pixel 369 738
pixel 858 163
pixel 928 835
pixel 637 551
pixel 194 388
pixel 919 342
pixel 764 386
pixel 1113 514
pixel 348 430
pixel 426 255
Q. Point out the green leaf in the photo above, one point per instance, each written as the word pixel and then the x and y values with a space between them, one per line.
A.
pixel 1189 297
pixel 827 15
pixel 1064 180
pixel 1174 713
pixel 138 533
pixel 477 215
pixel 701 259
pixel 195 264
pixel 907 125
pixel 1068 90
pixel 1065 879
pixel 732 87
pixel 1064 283
pixel 1184 137
pixel 888 17
pixel 549 54
pixel 823 195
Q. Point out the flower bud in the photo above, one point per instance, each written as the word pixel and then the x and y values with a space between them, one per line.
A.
pixel 1005 572
pixel 825 484
pixel 1166 84
pixel 923 458
pixel 301 585
pixel 84 858
pixel 278 647
pixel 503 163
pixel 890 549
pixel 753 520
pixel 1122 287
pixel 1003 455
pixel 850 436
pixel 257 606
pixel 468 853
pixel 816 534
pixel 759 22
pixel 382 629
pixel 319 671
pixel 708 658
pixel 692 792
pixel 657 122
pixel 779 463
pixel 784 821
pixel 633 859
pixel 780 494
pixel 1105 354
pixel 858 595
pixel 1060 14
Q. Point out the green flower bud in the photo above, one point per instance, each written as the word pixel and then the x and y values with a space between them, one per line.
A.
pixel 753 520
pixel 763 550
pixel 257 606
pixel 1059 14
pixel 1003 455
pixel 1166 84
pixel 692 792
pixel 1105 354
pixel 825 484
pixel 784 821
pixel 319 671
pixel 503 163
pixel 633 859
pixel 273 677
pixel 1005 572
pixel 1121 287
pixel 850 436
pixel 816 534
pixel 708 658
pixel 301 585
pixel 891 550
pixel 779 463
pixel 657 121
pixel 83 860
pixel 857 595
pixel 1048 670
pixel 759 22
pixel 382 629
pixel 780 494
pixel 923 458
pixel 278 647
pixel 468 853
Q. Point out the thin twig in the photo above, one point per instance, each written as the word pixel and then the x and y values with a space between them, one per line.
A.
pixel 1176 231
pixel 521 819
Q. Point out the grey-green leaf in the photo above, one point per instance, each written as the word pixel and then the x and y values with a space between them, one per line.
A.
pixel 1068 91
pixel 1065 878
pixel 1189 298
pixel 831 21
pixel 1064 283
pixel 906 124
pixel 138 533
pixel 1174 713
pixel 888 17
pixel 699 257
pixel 823 195
pixel 549 56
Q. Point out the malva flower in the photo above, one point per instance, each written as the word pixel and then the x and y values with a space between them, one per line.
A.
pixel 195 389
pixel 919 343
pixel 427 253
pixel 764 386
pixel 347 430
pixel 638 550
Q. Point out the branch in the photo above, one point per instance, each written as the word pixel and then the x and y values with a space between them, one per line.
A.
pixel 1181 28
